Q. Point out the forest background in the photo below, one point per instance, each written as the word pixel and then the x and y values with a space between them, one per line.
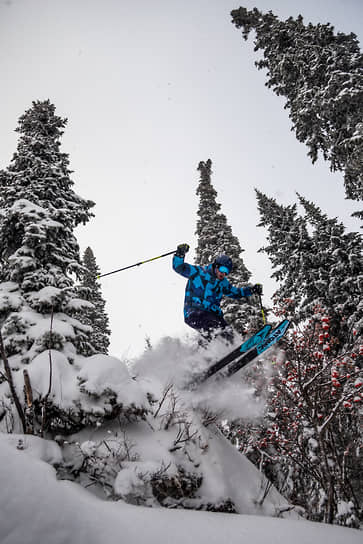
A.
pixel 150 90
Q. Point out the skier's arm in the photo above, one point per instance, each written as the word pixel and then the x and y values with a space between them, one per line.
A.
pixel 182 268
pixel 237 292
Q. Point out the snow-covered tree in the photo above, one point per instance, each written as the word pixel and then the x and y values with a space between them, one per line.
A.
pixel 319 72
pixel 322 268
pixel 309 440
pixel 39 253
pixel 289 247
pixel 335 275
pixel 214 237
pixel 95 316
pixel 46 347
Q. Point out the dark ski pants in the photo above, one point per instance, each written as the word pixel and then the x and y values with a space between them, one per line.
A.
pixel 209 325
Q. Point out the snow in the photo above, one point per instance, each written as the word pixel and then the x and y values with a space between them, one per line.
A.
pixel 177 360
pixel 36 508
pixel 9 299
pixel 101 374
pixel 52 295
pixel 63 386
pixel 133 476
pixel 37 448
pixel 22 205
pixel 77 304
pixel 82 384
pixel 39 325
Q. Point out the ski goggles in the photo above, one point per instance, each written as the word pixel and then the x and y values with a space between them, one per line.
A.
pixel 224 270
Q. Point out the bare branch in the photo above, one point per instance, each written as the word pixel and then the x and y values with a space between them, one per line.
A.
pixel 9 376
pixel 165 394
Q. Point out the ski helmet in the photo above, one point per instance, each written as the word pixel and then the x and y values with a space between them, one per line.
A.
pixel 224 260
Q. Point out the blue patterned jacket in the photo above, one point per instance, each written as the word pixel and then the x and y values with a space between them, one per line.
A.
pixel 204 291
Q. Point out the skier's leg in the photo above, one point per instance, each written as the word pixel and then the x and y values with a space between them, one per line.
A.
pixel 223 330
pixel 197 320
pixel 210 325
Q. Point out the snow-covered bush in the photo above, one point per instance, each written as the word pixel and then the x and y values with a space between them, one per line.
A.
pixel 310 441
pixel 153 461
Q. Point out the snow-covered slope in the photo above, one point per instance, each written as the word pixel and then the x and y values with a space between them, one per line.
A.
pixel 248 489
pixel 172 454
pixel 35 508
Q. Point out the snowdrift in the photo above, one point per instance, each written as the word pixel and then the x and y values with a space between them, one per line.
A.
pixel 36 508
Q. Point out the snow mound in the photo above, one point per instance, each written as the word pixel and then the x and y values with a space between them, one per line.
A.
pixel 35 508
pixel 102 375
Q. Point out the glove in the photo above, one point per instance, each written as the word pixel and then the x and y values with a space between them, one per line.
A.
pixel 257 289
pixel 181 250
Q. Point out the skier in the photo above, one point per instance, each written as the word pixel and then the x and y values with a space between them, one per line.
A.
pixel 205 288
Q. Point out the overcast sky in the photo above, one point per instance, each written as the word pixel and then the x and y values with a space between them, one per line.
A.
pixel 150 88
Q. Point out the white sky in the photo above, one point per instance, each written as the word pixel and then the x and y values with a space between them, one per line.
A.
pixel 151 88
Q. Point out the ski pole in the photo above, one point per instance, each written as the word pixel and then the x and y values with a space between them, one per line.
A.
pixel 262 310
pixel 136 264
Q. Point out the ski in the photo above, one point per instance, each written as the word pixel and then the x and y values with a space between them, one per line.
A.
pixel 254 340
pixel 246 352
pixel 274 336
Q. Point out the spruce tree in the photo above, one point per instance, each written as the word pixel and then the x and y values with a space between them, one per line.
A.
pixel 321 268
pixel 95 316
pixel 39 253
pixel 336 273
pixel 320 74
pixel 215 237
pixel 289 249
pixel 52 374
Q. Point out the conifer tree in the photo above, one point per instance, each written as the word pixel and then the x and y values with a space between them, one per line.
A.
pixel 39 211
pixel 335 274
pixel 322 269
pixel 289 247
pixel 215 237
pixel 320 74
pixel 39 254
pixel 52 381
pixel 96 316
